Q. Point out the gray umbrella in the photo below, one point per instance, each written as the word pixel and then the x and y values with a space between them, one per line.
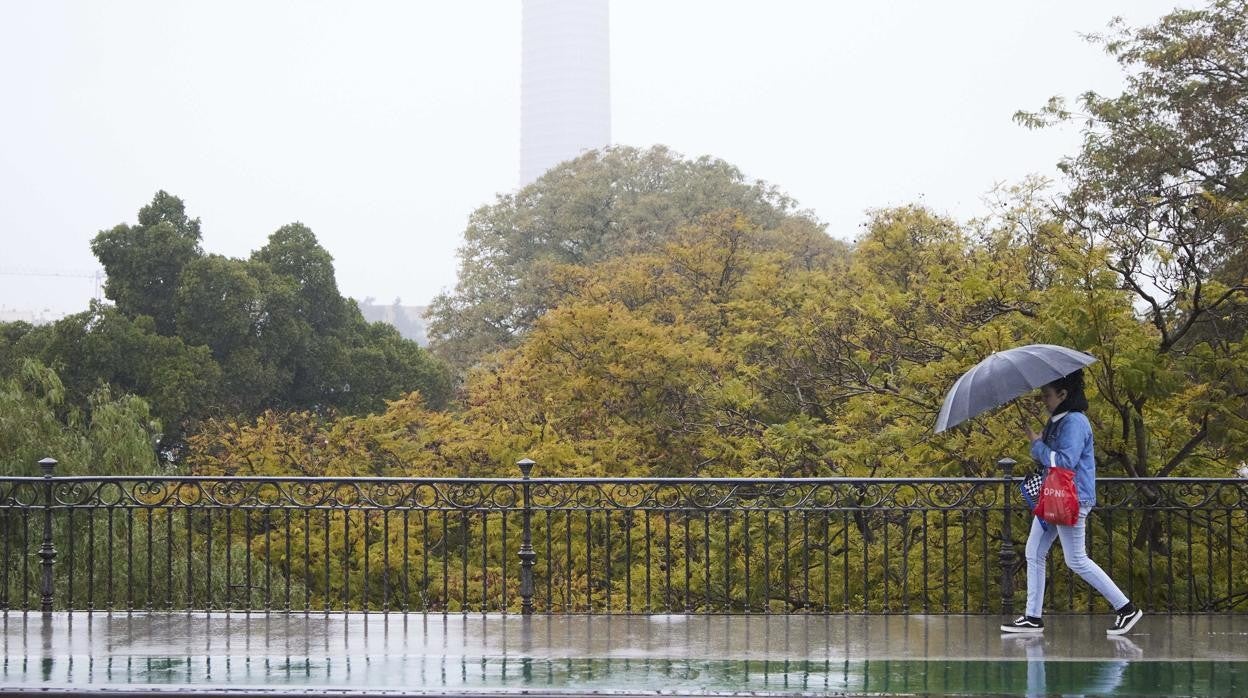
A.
pixel 1004 376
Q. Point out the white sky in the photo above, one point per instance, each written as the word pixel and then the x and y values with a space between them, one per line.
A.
pixel 382 125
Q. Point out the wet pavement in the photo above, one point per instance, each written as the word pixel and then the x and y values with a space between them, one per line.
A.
pixel 1067 638
pixel 1164 655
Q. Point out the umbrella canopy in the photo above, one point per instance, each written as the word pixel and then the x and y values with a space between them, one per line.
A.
pixel 1004 376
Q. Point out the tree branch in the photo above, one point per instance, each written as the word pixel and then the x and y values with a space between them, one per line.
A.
pixel 1188 447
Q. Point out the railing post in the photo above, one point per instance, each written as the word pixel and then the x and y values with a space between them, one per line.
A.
pixel 47 553
pixel 1007 554
pixel 527 556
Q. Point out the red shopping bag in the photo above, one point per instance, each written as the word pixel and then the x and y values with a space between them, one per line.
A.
pixel 1059 503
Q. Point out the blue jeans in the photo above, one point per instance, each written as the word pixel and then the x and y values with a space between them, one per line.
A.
pixel 1074 549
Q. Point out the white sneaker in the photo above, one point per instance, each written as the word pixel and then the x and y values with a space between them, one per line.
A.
pixel 1124 622
pixel 1023 624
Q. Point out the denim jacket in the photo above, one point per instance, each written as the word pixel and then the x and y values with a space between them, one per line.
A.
pixel 1067 443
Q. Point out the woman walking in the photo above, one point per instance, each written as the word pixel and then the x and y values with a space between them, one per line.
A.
pixel 1067 443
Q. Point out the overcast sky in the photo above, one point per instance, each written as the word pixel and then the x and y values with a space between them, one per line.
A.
pixel 382 125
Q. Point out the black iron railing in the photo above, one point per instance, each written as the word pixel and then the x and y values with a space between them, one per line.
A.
pixel 645 545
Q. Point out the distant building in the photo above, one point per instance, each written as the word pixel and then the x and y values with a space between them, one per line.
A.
pixel 565 82
pixel 409 320
pixel 34 317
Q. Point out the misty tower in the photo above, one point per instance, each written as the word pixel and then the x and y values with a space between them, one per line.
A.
pixel 565 82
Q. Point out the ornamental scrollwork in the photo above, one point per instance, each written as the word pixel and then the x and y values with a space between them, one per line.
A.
pixel 596 494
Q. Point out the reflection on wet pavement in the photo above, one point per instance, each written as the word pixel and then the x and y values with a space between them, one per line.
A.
pixel 1180 655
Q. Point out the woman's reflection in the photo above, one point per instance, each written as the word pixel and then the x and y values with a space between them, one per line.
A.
pixel 1097 678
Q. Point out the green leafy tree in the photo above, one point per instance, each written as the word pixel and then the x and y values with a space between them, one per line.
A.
pixel 113 436
pixel 145 261
pixel 249 318
pixel 18 341
pixel 293 252
pixel 271 331
pixel 104 347
pixel 604 204
pixel 1161 185
pixel 287 339
pixel 384 364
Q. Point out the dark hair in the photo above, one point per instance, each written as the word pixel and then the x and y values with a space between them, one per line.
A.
pixel 1075 400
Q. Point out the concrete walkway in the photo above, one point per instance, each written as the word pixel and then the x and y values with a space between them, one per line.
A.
pixel 459 653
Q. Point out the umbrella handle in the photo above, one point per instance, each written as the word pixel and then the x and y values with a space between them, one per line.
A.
pixel 1023 415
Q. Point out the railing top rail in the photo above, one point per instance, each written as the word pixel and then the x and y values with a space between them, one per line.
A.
pixel 507 480
pixel 590 480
